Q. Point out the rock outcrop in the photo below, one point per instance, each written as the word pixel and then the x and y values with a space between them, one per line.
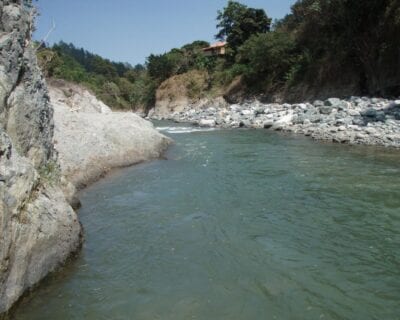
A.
pixel 38 228
pixel 91 140
pixel 180 91
pixel 43 149
pixel 357 120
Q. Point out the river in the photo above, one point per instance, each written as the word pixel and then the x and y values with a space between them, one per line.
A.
pixel 236 224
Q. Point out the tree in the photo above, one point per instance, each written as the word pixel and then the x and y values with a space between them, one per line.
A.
pixel 237 23
pixel 159 67
pixel 268 56
pixel 354 36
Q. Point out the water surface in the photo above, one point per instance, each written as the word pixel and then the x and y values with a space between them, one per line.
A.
pixel 242 224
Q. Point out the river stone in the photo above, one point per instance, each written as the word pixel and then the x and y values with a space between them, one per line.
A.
pixel 346 121
pixel 353 112
pixel 268 124
pixel 246 112
pixel 380 116
pixel 332 102
pixel 302 106
pixel 318 103
pixel 370 131
pixel 207 123
pixel 258 111
pixel 244 124
pixel 358 121
pixel 312 116
pixel 336 103
pixel 325 109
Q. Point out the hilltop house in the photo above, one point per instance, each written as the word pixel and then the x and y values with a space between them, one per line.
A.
pixel 216 49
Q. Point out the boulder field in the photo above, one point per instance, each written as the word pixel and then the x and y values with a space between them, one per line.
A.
pixel 357 120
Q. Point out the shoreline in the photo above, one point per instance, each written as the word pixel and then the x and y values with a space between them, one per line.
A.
pixel 74 255
pixel 62 269
pixel 353 121
pixel 90 144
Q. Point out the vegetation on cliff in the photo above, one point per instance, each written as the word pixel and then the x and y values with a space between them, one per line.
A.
pixel 120 85
pixel 114 83
pixel 321 44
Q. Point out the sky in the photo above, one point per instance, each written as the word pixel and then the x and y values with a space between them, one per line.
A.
pixel 131 30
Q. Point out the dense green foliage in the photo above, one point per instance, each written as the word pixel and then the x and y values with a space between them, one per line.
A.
pixel 178 61
pixel 320 43
pixel 271 54
pixel 342 36
pixel 237 23
pixel 117 84
pixel 120 85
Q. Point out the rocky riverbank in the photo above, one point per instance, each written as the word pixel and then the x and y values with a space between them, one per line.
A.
pixel 91 139
pixel 357 120
pixel 38 228
pixel 47 139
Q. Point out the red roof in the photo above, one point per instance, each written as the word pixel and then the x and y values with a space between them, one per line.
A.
pixel 216 45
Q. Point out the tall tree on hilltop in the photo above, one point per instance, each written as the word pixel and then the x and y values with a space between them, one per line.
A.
pixel 237 23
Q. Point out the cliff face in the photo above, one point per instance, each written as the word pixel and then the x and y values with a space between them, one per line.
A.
pixel 38 228
pixel 183 90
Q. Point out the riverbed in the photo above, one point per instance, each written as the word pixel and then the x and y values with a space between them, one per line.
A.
pixel 236 224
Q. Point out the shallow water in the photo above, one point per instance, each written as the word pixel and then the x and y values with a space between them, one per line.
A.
pixel 241 224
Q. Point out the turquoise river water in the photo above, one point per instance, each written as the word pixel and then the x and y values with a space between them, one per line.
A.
pixel 236 224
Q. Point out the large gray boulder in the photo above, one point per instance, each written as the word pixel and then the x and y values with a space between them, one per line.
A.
pixel 91 140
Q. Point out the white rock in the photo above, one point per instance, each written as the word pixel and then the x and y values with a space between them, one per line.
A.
pixel 207 123
pixel 370 130
pixel 90 143
pixel 283 121
pixel 353 112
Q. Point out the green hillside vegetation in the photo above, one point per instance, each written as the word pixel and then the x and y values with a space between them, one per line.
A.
pixel 321 43
pixel 117 84
pixel 120 85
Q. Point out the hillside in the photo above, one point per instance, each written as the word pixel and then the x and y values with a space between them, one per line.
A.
pixel 117 84
pixel 320 49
